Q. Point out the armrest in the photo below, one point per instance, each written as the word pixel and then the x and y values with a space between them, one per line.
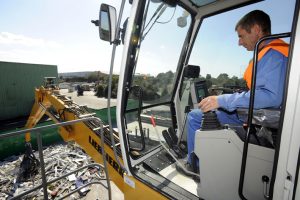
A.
pixel 265 117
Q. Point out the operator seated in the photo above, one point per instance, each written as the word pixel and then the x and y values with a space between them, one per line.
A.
pixel 271 70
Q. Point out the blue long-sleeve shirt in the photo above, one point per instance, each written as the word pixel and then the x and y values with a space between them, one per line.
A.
pixel 271 70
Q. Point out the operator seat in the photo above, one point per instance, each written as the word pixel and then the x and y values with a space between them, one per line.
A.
pixel 266 123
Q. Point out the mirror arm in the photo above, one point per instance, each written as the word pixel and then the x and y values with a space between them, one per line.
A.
pixel 116 42
pixel 95 22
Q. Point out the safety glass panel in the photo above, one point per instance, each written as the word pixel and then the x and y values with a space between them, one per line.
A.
pixel 158 54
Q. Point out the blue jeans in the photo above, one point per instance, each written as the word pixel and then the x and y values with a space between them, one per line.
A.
pixel 194 123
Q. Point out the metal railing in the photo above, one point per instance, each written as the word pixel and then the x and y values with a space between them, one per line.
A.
pixel 44 184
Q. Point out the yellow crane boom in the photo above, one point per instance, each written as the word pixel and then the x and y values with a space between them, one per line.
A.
pixel 48 101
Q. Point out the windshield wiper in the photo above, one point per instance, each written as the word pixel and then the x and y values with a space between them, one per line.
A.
pixel 159 11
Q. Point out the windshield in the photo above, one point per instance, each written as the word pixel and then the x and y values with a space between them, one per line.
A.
pixel 159 53
pixel 155 66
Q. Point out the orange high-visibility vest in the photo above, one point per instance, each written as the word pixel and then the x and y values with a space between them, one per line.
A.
pixel 278 45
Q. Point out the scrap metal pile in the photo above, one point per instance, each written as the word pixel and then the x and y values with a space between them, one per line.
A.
pixel 59 160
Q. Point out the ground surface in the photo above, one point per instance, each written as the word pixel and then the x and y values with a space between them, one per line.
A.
pixel 89 99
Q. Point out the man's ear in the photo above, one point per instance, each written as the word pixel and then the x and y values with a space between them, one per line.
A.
pixel 256 29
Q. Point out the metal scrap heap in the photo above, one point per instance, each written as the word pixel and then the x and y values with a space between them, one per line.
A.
pixel 59 160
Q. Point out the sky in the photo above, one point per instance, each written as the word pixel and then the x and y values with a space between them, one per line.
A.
pixel 59 32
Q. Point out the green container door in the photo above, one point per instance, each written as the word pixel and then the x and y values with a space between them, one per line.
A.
pixel 17 83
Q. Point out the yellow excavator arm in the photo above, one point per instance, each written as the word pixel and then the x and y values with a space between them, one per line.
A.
pixel 48 101
pixel 40 106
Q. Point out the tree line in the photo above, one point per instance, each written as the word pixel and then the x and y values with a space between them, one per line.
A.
pixel 154 86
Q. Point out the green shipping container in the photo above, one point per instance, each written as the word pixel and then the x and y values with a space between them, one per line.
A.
pixel 17 83
pixel 16 145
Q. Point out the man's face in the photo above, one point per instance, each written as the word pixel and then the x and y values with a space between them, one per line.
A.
pixel 246 39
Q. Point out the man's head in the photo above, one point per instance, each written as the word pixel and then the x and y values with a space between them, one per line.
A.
pixel 253 26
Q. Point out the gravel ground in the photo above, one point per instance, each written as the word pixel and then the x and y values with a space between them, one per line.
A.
pixel 89 99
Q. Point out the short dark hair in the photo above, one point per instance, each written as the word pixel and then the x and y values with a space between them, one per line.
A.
pixel 258 17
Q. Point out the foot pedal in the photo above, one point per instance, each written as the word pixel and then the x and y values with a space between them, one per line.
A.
pixel 173 146
pixel 167 138
pixel 173 135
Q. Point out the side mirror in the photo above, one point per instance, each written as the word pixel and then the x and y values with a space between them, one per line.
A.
pixel 107 23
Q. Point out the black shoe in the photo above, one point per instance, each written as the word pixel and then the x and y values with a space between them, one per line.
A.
pixel 196 178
